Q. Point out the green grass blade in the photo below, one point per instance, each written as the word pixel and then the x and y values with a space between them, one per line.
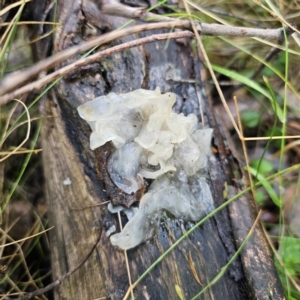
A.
pixel 28 156
pixel 8 43
pixel 264 182
pixel 237 196
pixel 261 60
pixel 252 84
pixel 273 127
pixel 29 106
pixel 224 269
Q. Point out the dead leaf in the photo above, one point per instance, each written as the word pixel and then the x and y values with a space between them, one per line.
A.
pixel 192 266
pixel 3 270
pixel 179 292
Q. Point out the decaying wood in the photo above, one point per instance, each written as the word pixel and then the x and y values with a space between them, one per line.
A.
pixel 67 155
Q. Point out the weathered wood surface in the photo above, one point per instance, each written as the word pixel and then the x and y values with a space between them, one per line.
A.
pixel 66 154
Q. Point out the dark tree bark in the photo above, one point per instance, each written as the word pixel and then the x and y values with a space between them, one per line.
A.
pixel 66 154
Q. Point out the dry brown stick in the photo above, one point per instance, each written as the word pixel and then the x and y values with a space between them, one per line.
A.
pixel 91 59
pixel 14 80
pixel 62 278
pixel 225 30
pixel 91 206
pixel 115 8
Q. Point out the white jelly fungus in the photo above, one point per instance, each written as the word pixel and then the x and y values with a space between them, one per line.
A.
pixel 152 142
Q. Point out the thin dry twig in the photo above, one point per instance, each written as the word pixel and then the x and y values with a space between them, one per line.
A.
pixel 115 8
pixel 11 6
pixel 244 147
pixel 27 238
pixel 92 58
pixel 199 55
pixel 225 30
pixel 62 278
pixel 91 206
pixel 14 80
pixel 276 16
pixel 7 122
pixel 265 138
pixel 4 24
pixel 4 35
pixel 202 53
pixel 22 259
pixel 35 151
pixel 126 258
pixel 5 134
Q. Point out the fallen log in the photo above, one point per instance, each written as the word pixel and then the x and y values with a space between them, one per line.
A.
pixel 76 178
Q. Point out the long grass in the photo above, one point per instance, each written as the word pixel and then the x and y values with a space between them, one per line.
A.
pixel 19 161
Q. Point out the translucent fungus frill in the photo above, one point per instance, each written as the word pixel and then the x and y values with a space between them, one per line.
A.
pixel 152 142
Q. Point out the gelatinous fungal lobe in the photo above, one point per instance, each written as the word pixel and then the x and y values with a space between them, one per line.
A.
pixel 152 142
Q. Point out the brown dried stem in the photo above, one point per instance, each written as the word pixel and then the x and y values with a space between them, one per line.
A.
pixel 14 80
pixel 91 59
